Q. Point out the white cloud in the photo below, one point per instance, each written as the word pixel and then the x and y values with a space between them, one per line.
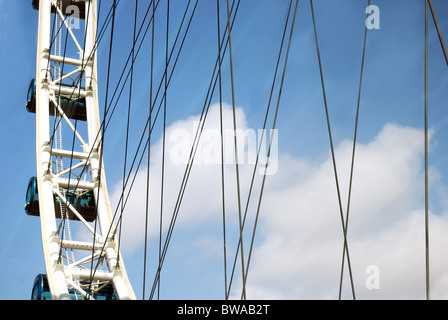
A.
pixel 300 235
pixel 202 196
pixel 303 235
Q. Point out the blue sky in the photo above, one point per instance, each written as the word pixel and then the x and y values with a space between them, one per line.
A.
pixel 299 239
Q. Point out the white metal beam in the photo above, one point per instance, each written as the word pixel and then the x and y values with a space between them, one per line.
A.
pixel 60 277
pixel 50 238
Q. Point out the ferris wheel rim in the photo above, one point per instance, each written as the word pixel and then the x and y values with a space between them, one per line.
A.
pixel 62 277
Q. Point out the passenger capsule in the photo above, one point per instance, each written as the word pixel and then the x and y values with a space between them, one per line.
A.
pixel 41 290
pixel 73 108
pixel 68 8
pixel 83 202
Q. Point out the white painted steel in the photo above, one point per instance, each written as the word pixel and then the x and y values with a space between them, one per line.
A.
pixel 64 277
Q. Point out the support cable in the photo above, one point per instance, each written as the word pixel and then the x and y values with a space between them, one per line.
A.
pixel 162 187
pixel 190 162
pixel 104 123
pixel 101 146
pixel 332 151
pixel 426 158
pixel 442 43
pixel 141 140
pixel 149 150
pixel 146 145
pixel 261 139
pixel 270 144
pixel 120 222
pixel 236 150
pixel 222 156
pixel 353 154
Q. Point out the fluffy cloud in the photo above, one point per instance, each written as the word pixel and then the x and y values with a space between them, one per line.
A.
pixel 202 198
pixel 303 235
pixel 300 241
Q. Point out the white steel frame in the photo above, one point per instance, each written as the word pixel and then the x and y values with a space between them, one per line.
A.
pixel 61 276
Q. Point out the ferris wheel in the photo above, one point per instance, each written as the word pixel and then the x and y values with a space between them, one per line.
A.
pixel 70 185
pixel 70 189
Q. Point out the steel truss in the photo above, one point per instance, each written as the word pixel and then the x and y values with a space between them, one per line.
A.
pixel 100 262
